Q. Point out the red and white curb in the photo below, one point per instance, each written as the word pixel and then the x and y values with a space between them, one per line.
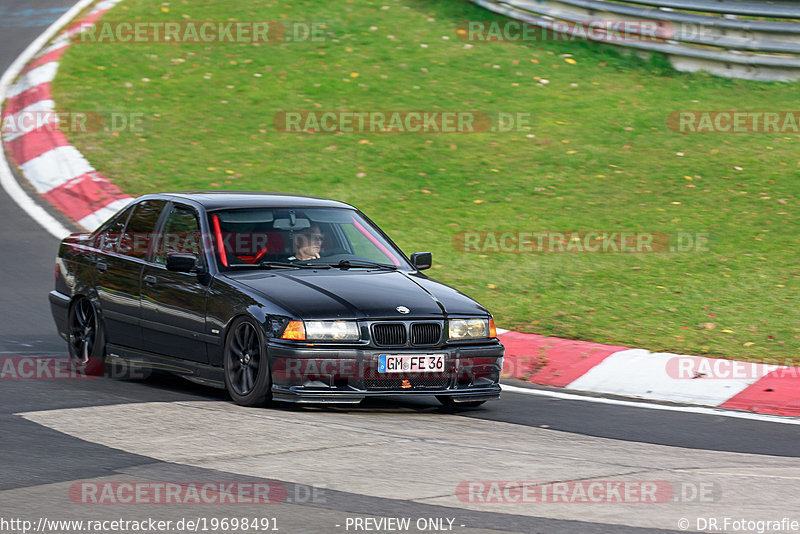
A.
pixel 615 370
pixel 56 170
pixel 62 176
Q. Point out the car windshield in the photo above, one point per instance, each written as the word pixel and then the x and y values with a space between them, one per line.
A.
pixel 300 236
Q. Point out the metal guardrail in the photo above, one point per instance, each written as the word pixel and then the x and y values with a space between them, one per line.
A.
pixel 756 8
pixel 704 35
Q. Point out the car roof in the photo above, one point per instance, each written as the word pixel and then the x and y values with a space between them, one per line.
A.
pixel 212 200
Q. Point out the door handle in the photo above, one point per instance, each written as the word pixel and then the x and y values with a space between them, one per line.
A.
pixel 101 266
pixel 150 279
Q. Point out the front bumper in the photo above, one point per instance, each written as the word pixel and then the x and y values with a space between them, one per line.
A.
pixel 348 375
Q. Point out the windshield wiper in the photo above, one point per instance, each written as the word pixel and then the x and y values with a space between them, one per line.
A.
pixel 347 264
pixel 290 265
pixel 279 265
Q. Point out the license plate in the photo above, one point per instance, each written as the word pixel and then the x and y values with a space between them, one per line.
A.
pixel 411 363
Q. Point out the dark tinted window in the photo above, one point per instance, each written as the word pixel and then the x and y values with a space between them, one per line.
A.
pixel 139 231
pixel 107 236
pixel 181 234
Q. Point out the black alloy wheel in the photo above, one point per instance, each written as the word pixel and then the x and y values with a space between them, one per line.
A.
pixel 86 338
pixel 247 373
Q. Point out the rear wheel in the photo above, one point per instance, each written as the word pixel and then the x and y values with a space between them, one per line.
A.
pixel 448 402
pixel 87 345
pixel 247 373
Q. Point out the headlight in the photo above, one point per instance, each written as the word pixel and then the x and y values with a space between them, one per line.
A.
pixel 332 331
pixel 469 328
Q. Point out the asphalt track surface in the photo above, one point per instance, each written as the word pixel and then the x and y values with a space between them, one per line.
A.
pixel 107 429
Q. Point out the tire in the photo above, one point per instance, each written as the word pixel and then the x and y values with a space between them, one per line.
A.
pixel 86 338
pixel 248 377
pixel 448 402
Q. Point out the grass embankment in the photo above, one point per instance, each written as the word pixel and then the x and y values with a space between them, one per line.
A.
pixel 598 156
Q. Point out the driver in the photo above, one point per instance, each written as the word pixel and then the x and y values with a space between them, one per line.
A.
pixel 307 243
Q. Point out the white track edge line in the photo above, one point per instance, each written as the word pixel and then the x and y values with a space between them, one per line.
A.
pixel 787 420
pixel 7 180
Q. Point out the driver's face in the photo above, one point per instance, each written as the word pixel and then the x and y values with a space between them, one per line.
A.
pixel 307 243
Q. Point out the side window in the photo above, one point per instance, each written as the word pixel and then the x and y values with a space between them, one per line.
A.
pixel 135 241
pixel 107 236
pixel 181 234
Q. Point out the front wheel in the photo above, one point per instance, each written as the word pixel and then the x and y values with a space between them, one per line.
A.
pixel 448 402
pixel 87 345
pixel 247 374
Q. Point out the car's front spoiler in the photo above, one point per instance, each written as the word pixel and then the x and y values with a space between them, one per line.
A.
pixel 301 395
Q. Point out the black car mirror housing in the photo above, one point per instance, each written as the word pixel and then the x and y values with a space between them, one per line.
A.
pixel 422 260
pixel 180 262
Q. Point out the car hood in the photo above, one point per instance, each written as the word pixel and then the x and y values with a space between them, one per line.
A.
pixel 357 294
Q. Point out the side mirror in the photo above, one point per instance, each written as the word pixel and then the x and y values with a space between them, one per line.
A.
pixel 422 260
pixel 182 263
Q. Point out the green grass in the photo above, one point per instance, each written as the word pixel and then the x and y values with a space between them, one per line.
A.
pixel 602 158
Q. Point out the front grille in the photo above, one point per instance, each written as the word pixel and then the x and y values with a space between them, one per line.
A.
pixel 432 382
pixel 425 333
pixel 388 334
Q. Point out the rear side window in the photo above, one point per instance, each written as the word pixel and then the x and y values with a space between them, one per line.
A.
pixel 138 233
pixel 107 237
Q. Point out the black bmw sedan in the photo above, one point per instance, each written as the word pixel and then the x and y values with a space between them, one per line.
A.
pixel 270 296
